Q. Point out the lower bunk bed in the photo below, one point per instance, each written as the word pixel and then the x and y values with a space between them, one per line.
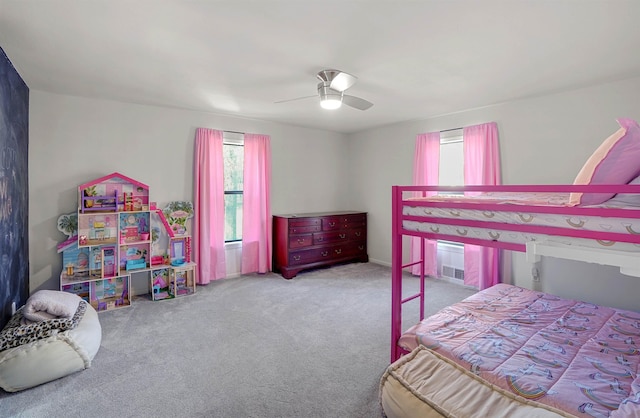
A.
pixel 507 351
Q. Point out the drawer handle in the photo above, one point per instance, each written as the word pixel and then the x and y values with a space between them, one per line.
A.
pixel 300 240
pixel 325 253
pixel 357 233
pixel 343 236
pixel 320 239
pixel 332 224
pixel 339 251
pixel 296 257
pixel 361 247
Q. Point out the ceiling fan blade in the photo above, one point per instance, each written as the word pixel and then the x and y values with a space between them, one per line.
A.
pixel 356 102
pixel 343 81
pixel 297 98
pixel 336 79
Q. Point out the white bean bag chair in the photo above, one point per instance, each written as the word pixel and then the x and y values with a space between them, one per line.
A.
pixel 38 353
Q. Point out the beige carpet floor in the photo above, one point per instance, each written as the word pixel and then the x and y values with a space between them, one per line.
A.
pixel 253 346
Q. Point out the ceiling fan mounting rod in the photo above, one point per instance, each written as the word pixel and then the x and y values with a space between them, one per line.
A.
pixel 327 76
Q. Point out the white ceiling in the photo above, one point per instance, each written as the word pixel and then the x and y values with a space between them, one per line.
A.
pixel 414 59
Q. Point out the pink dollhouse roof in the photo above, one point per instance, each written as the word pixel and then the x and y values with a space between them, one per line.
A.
pixel 68 244
pixel 121 177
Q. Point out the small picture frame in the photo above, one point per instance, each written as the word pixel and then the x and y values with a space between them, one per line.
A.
pixel 178 250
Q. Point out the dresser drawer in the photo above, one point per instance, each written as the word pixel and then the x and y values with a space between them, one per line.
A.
pixel 355 247
pixel 359 248
pixel 358 234
pixel 343 222
pixel 327 253
pixel 329 237
pixel 342 235
pixel 304 222
pixel 315 255
pixel 309 256
pixel 303 229
pixel 358 217
pixel 297 241
pixel 304 225
pixel 348 250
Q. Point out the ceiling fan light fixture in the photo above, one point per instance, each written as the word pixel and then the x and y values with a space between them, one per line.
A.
pixel 329 98
pixel 330 103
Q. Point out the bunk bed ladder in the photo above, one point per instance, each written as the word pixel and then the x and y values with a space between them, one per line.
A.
pixel 396 275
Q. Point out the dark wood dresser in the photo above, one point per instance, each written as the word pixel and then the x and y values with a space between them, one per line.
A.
pixel 308 240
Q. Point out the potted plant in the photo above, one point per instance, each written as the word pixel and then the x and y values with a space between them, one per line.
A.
pixel 68 224
pixel 177 213
pixel 89 191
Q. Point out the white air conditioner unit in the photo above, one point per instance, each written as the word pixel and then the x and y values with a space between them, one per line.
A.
pixel 451 260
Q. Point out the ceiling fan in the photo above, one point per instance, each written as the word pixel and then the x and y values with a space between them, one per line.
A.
pixel 331 88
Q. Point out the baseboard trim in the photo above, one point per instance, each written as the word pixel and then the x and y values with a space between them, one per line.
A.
pixel 379 262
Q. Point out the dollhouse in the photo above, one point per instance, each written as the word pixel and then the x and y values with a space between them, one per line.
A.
pixel 117 232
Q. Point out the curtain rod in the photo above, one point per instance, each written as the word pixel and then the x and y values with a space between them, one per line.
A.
pixel 452 129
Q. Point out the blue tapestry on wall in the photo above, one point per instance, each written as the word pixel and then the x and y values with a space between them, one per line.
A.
pixel 14 189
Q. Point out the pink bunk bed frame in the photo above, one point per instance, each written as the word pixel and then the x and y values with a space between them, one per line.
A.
pixel 399 200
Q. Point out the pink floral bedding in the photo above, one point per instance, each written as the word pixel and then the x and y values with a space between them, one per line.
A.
pixel 578 357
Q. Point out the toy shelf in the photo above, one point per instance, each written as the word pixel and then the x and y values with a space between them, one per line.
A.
pixel 168 281
pixel 107 294
pixel 182 279
pixel 160 285
pixel 97 229
pixel 119 232
pixel 102 294
pixel 106 203
pixel 70 280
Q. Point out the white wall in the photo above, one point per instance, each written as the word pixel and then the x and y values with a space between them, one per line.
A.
pixel 73 140
pixel 543 140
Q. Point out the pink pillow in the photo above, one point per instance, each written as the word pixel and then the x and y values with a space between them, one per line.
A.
pixel 616 161
pixel 632 199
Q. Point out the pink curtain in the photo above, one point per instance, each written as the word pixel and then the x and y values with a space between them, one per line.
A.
pixel 426 166
pixel 256 213
pixel 481 167
pixel 209 206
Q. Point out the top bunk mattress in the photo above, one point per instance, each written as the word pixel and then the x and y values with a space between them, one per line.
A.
pixel 518 218
pixel 574 356
pixel 511 198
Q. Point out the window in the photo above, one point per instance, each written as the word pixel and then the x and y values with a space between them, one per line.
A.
pixel 233 155
pixel 451 172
